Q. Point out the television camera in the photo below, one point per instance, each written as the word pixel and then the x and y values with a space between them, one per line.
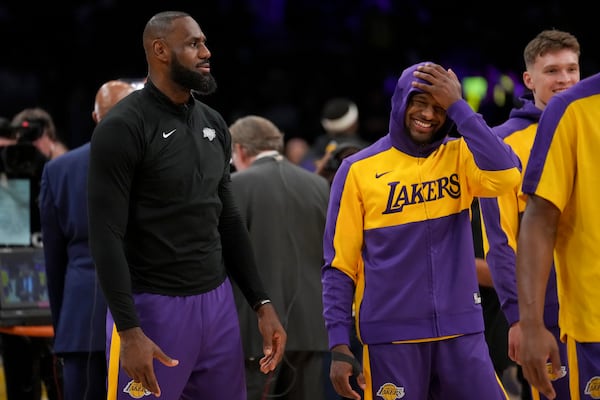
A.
pixel 22 159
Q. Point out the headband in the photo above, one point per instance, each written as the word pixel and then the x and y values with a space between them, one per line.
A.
pixel 342 123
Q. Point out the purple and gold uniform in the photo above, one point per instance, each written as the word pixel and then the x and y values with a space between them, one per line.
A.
pixel 398 245
pixel 562 171
pixel 501 216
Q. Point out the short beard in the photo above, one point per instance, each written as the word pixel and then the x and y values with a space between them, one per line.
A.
pixel 198 82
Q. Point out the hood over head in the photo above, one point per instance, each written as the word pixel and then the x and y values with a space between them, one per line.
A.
pixel 398 133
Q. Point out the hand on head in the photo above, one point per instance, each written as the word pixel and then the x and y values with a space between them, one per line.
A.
pixel 443 85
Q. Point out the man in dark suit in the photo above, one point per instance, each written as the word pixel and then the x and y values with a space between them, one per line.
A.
pixel 284 207
pixel 77 305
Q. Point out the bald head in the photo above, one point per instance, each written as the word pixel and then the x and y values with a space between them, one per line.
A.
pixel 109 94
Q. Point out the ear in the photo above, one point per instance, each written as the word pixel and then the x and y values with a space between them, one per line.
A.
pixel 160 49
pixel 240 152
pixel 95 116
pixel 239 157
pixel 527 80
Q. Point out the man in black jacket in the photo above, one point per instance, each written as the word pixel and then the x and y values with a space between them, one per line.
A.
pixel 165 233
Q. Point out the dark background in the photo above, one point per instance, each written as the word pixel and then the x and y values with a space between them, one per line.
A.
pixel 276 58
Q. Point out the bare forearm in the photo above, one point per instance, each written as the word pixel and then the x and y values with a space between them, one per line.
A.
pixel 534 257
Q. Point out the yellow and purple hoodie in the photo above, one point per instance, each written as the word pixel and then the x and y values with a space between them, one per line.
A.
pixel 398 243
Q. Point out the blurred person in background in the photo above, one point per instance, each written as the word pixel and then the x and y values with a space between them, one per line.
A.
pixel 327 166
pixel 28 361
pixel 284 208
pixel 77 304
pixel 295 149
pixel 340 121
pixel 45 140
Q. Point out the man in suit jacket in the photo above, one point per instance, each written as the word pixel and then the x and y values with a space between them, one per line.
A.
pixel 77 305
pixel 284 207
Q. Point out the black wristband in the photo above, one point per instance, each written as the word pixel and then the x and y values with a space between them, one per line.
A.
pixel 260 303
pixel 339 356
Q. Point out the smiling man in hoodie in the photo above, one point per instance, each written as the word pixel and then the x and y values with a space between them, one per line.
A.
pixel 398 245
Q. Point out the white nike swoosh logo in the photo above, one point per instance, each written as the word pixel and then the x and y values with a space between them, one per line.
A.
pixel 167 134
